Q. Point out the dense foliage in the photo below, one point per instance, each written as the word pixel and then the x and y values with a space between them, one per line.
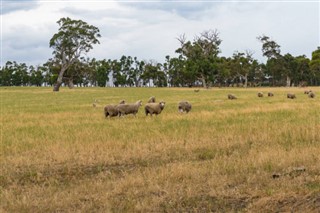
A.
pixel 198 63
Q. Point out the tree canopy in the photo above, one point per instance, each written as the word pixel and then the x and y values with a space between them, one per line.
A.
pixel 198 62
pixel 74 38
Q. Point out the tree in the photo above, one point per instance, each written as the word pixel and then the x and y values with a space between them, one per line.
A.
pixel 6 74
pixel 303 74
pixel 270 48
pixel 276 63
pixel 36 77
pixel 241 65
pixel 20 75
pixel 201 55
pixel 103 69
pixel 74 38
pixel 315 66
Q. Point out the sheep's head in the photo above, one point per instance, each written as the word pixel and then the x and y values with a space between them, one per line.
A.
pixel 162 103
pixel 122 102
pixel 152 99
pixel 139 103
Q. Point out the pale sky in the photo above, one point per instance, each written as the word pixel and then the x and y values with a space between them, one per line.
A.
pixel 148 29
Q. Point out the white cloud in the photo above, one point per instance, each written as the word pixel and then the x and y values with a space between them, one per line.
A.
pixel 148 30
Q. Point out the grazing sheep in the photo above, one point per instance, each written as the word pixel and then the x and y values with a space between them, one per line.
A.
pixel 291 96
pixel 184 106
pixel 124 109
pixel 95 102
pixel 154 108
pixel 311 95
pixel 260 94
pixel 231 96
pixel 152 99
pixel 270 94
pixel 111 110
pixel 307 92
pixel 196 90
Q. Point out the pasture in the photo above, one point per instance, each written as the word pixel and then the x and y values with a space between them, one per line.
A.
pixel 60 154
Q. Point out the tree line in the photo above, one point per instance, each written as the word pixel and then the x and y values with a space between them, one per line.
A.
pixel 198 63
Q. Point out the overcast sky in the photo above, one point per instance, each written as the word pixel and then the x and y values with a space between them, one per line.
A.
pixel 148 29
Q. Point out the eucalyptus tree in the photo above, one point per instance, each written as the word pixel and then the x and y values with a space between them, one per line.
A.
pixel 241 65
pixel 119 77
pixel 102 68
pixel 73 39
pixel 175 71
pixel 277 64
pixel 315 66
pixel 303 73
pixel 36 77
pixel 150 72
pixel 19 74
pixel 136 71
pixel 201 55
pixel 6 74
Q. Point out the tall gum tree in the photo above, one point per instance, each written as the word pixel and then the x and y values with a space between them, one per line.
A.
pixel 277 62
pixel 315 66
pixel 201 55
pixel 74 38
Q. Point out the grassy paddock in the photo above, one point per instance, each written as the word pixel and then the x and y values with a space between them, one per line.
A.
pixel 58 153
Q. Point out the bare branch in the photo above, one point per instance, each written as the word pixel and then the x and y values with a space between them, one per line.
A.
pixel 182 39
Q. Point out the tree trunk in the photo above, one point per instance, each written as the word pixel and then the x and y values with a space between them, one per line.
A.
pixel 246 80
pixel 204 84
pixel 70 83
pixel 57 85
pixel 288 81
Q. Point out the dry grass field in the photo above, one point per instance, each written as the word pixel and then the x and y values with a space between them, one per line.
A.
pixel 60 154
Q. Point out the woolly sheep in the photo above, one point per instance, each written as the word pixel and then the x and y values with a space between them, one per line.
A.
pixel 260 94
pixel 311 95
pixel 184 106
pixel 154 108
pixel 111 110
pixel 124 109
pixel 231 96
pixel 270 94
pixel 152 99
pixel 291 96
pixel 307 91
pixel 196 90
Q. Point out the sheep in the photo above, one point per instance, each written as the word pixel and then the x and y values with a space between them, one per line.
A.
pixel 260 94
pixel 231 96
pixel 291 96
pixel 196 90
pixel 111 109
pixel 154 108
pixel 270 94
pixel 124 109
pixel 311 95
pixel 184 106
pixel 95 102
pixel 307 92
pixel 152 99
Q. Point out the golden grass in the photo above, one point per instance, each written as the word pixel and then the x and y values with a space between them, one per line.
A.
pixel 58 153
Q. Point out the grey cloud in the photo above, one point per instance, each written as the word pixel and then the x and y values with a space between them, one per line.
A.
pixel 12 6
pixel 27 45
pixel 185 9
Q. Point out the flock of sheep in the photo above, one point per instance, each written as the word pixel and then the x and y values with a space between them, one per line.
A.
pixel 152 107
pixel 310 94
